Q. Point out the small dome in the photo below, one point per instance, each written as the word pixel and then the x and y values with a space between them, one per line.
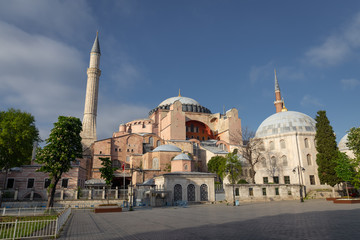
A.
pixel 284 122
pixel 183 100
pixel 167 148
pixel 342 144
pixel 182 156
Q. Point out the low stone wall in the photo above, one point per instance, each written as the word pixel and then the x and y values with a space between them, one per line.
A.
pixel 262 192
pixel 70 203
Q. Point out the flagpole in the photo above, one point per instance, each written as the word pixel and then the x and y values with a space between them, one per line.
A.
pixel 124 179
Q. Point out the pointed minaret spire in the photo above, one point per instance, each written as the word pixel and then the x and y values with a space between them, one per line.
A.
pixel 96 46
pixel 179 93
pixel 88 133
pixel 277 88
pixel 278 101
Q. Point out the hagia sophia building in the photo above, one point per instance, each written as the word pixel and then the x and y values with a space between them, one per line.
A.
pixel 170 148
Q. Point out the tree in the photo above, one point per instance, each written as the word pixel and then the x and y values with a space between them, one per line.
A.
pixel 353 142
pixel 62 147
pixel 217 165
pixel 344 169
pixel 107 172
pixel 354 145
pixel 251 149
pixel 17 136
pixel 233 169
pixel 327 150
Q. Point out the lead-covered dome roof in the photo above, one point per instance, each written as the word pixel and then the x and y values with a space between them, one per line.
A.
pixel 182 156
pixel 167 148
pixel 342 144
pixel 188 105
pixel 284 122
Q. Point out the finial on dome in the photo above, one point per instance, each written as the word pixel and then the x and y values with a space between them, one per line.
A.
pixel 284 109
pixel 179 93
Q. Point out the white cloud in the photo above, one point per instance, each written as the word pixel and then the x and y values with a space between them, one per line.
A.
pixel 112 114
pixel 40 75
pixel 309 100
pixel 266 73
pixel 56 18
pixel 258 73
pixel 349 83
pixel 337 47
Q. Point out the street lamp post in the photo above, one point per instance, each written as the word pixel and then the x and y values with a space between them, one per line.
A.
pixel 298 169
pixel 132 187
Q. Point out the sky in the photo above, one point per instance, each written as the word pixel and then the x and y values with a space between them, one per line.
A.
pixel 220 53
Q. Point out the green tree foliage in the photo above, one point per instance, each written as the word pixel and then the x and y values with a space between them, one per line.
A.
pixel 344 169
pixel 354 141
pixel 217 165
pixel 327 150
pixel 17 136
pixel 107 172
pixel 233 167
pixel 62 147
pixel 354 145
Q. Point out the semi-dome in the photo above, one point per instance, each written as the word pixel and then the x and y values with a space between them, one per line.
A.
pixel 182 156
pixel 342 144
pixel 167 148
pixel 188 105
pixel 284 122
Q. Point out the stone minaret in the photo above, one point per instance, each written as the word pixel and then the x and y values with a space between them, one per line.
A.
pixel 91 99
pixel 278 101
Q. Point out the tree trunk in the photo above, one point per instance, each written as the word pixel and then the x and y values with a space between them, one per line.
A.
pixel 253 174
pixel 54 182
pixel 347 190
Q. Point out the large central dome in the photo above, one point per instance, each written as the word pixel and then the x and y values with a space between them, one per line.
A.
pixel 183 100
pixel 284 122
pixel 188 105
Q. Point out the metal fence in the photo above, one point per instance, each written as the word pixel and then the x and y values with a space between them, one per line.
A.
pixel 19 229
pixel 36 211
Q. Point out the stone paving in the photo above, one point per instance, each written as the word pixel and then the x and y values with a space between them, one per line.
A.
pixel 313 219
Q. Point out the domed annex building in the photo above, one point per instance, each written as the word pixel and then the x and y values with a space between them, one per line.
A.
pixel 344 148
pixel 288 153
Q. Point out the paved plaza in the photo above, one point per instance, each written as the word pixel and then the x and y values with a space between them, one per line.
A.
pixel 313 219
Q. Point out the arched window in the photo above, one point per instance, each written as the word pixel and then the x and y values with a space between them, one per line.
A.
pixel 155 163
pixel 191 192
pixel 306 141
pixel 177 193
pixel 284 161
pixel 151 141
pixel 203 192
pixel 245 172
pixel 282 144
pixel 272 146
pixel 185 166
pixel 308 158
pixel 262 146
pixel 273 161
pixel 158 143
pixel 263 162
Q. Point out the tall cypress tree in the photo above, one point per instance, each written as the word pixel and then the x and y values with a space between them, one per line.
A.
pixel 327 150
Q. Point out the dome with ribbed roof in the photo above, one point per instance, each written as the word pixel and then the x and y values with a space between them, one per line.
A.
pixel 167 148
pixel 182 156
pixel 284 122
pixel 188 105
pixel 342 144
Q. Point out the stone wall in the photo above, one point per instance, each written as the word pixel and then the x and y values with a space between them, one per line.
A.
pixel 262 192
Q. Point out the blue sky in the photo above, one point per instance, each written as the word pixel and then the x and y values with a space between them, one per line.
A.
pixel 221 53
